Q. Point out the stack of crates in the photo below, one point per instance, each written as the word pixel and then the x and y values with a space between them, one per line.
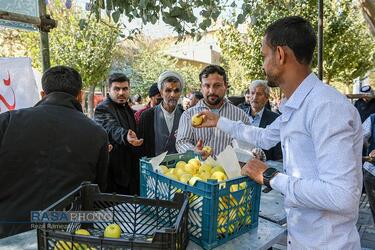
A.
pixel 145 223
pixel 218 212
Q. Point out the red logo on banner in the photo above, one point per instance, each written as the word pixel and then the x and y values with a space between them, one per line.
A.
pixel 7 82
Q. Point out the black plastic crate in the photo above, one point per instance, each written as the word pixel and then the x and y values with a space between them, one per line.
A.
pixel 145 223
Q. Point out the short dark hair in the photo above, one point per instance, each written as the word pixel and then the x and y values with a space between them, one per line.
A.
pixel 197 94
pixel 117 77
pixel 62 79
pixel 296 33
pixel 211 69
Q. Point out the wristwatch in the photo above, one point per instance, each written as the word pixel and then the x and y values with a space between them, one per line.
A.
pixel 268 174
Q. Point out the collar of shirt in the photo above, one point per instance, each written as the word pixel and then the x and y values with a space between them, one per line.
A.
pixel 169 117
pixel 299 95
pixel 255 121
pixel 259 114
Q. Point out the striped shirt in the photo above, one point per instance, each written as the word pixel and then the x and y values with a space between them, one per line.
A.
pixel 188 136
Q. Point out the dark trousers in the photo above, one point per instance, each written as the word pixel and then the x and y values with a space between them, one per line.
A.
pixel 369 181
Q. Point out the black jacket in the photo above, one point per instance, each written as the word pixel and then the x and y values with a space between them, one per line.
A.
pixel 364 108
pixel 268 117
pixel 117 119
pixel 45 152
pixel 147 132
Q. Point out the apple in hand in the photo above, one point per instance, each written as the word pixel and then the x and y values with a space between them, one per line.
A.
pixel 112 231
pixel 196 120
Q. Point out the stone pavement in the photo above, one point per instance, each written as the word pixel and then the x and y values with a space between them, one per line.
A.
pixel 365 225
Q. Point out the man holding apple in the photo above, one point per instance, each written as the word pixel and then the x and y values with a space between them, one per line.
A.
pixel 214 86
pixel 322 177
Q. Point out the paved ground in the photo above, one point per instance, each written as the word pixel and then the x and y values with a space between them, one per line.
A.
pixel 365 225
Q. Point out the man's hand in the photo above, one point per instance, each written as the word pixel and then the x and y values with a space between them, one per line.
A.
pixel 210 119
pixel 133 139
pixel 372 153
pixel 254 169
pixel 199 150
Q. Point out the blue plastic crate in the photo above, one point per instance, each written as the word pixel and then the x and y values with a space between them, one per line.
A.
pixel 217 213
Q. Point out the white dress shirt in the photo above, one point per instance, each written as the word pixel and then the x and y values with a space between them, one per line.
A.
pixel 169 117
pixel 255 121
pixel 321 137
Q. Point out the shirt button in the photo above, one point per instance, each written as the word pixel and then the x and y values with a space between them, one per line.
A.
pixel 289 242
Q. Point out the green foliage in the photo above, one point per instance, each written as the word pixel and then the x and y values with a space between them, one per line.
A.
pixel 144 60
pixel 349 49
pixel 186 17
pixel 86 45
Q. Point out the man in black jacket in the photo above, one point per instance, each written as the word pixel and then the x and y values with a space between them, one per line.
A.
pixel 260 115
pixel 48 150
pixel 117 118
pixel 158 126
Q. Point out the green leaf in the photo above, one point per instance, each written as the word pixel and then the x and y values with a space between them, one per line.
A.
pixel 116 16
pixel 176 12
pixel 82 24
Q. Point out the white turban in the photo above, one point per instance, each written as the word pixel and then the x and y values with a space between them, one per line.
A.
pixel 167 74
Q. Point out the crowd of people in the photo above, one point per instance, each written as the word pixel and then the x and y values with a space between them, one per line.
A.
pixel 49 149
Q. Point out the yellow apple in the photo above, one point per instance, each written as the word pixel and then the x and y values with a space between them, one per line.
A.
pixel 233 214
pixel 180 164
pixel 220 176
pixel 63 245
pixel 82 232
pixel 163 169
pixel 204 175
pixel 231 228
pixel 233 201
pixel 171 175
pixel 205 168
pixel 189 169
pixel 185 178
pixel 77 245
pixel 196 120
pixel 171 171
pixel 112 231
pixel 195 163
pixel 208 149
pixel 221 221
pixel 193 180
pixel 243 185
pixel 217 168
pixel 179 172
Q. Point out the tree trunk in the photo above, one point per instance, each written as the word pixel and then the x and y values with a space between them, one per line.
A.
pixel 90 101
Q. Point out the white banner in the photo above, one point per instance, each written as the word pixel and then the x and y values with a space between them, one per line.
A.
pixel 18 88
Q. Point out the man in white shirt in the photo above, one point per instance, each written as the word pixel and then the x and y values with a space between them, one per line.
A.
pixel 321 137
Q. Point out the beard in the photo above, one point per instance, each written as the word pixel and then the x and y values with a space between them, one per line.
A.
pixel 215 101
pixel 272 80
pixel 172 102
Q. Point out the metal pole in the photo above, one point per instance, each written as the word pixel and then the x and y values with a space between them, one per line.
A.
pixel 44 43
pixel 320 39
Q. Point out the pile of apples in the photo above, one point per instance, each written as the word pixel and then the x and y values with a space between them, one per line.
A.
pixel 193 170
pixel 111 231
pixel 229 208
